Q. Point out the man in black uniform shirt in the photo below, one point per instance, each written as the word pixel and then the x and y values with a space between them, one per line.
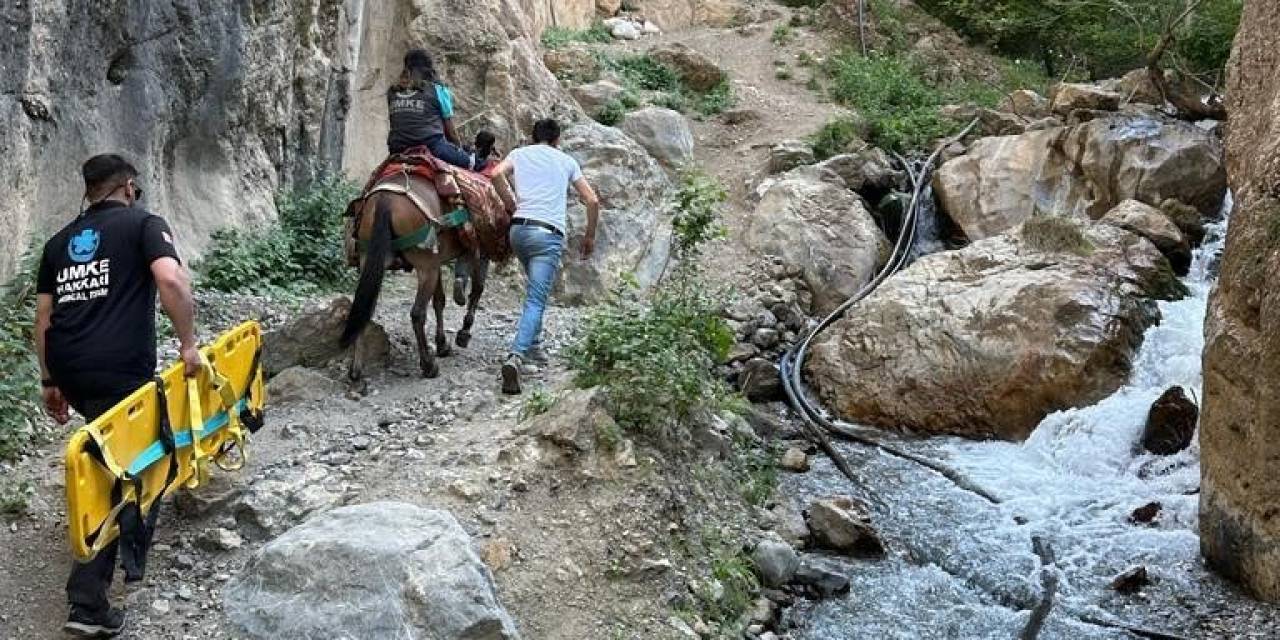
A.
pixel 96 334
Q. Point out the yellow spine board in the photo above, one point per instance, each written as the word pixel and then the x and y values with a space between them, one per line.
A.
pixel 132 426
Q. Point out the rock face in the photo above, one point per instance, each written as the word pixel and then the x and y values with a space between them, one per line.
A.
pixel 594 97
pixel 822 229
pixel 1240 428
pixel 381 570
pixel 1171 424
pixel 311 339
pixel 1083 171
pixel 663 133
pixel 254 101
pixel 1152 224
pixel 635 230
pixel 988 340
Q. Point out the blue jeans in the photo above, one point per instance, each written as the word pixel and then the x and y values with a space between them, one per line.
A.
pixel 539 251
pixel 454 155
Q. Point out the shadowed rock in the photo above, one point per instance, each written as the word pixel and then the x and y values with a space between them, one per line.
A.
pixel 1171 424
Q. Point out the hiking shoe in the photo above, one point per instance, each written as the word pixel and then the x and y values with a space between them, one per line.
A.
pixel 511 375
pixel 83 624
pixel 460 291
pixel 537 355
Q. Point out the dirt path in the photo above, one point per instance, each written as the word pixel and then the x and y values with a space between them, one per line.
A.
pixel 448 443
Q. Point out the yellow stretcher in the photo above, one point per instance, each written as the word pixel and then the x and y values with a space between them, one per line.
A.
pixel 127 456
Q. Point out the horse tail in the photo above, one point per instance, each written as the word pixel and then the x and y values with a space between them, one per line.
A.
pixel 371 274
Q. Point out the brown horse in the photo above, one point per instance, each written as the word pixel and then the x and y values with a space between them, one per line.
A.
pixel 385 216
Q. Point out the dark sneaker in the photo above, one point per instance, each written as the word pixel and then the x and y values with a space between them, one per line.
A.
pixel 460 291
pixel 537 356
pixel 94 625
pixel 511 375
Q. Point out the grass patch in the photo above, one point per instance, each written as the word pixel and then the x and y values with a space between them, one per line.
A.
pixel 560 37
pixel 300 253
pixel 783 35
pixel 20 384
pixel 641 74
pixel 655 356
pixel 1055 234
pixel 758 471
pixel 731 586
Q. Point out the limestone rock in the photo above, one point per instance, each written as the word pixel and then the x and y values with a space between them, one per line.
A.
pixel 786 520
pixel 825 580
pixel 663 133
pixel 576 63
pixel 498 554
pixel 1171 423
pixel 635 231
pixel 842 524
pixel 380 570
pixel 988 340
pixel 1131 581
pixel 760 381
pixel 1067 97
pixel 789 154
pixel 795 460
pixel 1136 86
pixel 594 97
pixel 696 70
pixel 608 8
pixel 625 30
pixel 269 506
pixel 1240 427
pixel 1083 171
pixel 822 230
pixel 776 562
pixel 300 384
pixel 1026 103
pixel 868 171
pixel 573 422
pixel 310 339
pixel 1152 224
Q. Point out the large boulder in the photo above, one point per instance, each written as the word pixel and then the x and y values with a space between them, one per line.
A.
pixel 663 133
pixel 272 504
pixel 380 570
pixel 595 96
pixel 868 171
pixel 635 229
pixel 1067 97
pixel 1240 426
pixel 1026 103
pixel 1083 171
pixel 696 70
pixel 310 339
pixel 988 340
pixel 821 229
pixel 1152 224
pixel 1171 423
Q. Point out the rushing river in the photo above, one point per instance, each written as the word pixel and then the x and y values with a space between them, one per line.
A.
pixel 961 567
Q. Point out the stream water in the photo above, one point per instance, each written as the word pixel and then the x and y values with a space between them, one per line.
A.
pixel 961 567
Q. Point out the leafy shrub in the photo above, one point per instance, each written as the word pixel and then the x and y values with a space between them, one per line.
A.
pixel 900 107
pixel 300 252
pixel 15 496
pixel 611 113
pixel 1108 38
pixel 20 384
pixel 538 403
pixel 782 35
pixel 836 137
pixel 642 73
pixel 560 37
pixel 655 357
pixel 734 580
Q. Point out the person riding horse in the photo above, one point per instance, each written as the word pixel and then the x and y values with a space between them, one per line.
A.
pixel 421 110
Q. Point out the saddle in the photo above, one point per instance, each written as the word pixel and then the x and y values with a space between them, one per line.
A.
pixel 473 207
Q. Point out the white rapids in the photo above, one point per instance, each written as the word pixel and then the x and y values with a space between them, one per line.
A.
pixel 963 568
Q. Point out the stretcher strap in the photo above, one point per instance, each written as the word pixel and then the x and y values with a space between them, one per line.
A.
pixel 183 439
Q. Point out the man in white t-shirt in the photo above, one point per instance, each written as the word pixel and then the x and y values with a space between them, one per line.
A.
pixel 542 174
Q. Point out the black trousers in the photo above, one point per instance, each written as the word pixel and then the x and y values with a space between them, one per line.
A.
pixel 90 581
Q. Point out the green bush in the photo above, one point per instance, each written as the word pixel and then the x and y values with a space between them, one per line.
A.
pixel 301 252
pixel 559 37
pixel 611 113
pixel 901 109
pixel 641 73
pixel 1107 38
pixel 655 357
pixel 20 384
pixel 838 136
pixel 782 35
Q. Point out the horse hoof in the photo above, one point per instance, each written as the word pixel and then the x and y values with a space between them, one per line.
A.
pixel 443 349
pixel 463 339
pixel 359 387
pixel 431 372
